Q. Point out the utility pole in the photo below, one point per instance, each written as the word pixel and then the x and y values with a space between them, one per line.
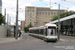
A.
pixel 7 19
pixel 4 16
pixel 50 4
pixel 10 20
pixel 59 22
pixel 16 37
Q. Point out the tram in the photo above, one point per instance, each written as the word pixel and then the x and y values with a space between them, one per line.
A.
pixel 48 32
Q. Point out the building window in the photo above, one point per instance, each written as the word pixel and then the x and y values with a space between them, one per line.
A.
pixel 27 14
pixel 48 13
pixel 39 13
pixel 33 15
pixel 27 11
pixel 42 13
pixel 33 11
pixel 54 13
pixel 51 13
pixel 45 13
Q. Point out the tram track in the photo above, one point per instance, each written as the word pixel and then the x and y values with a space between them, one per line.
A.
pixel 27 37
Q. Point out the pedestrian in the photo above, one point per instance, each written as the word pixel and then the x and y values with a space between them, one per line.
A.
pixel 19 33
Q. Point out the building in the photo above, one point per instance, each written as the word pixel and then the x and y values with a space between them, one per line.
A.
pixel 39 16
pixel 0 6
pixel 22 25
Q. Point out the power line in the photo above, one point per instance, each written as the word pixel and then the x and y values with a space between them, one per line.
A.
pixel 43 2
pixel 53 3
pixel 12 5
pixel 69 1
pixel 9 5
pixel 64 6
pixel 49 2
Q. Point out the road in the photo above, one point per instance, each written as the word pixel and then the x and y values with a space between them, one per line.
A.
pixel 31 43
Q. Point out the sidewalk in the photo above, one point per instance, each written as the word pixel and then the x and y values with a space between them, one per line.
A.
pixel 67 38
pixel 22 32
pixel 4 40
pixel 9 39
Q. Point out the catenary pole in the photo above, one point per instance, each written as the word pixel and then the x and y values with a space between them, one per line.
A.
pixel 7 19
pixel 5 16
pixel 10 20
pixel 59 22
pixel 16 37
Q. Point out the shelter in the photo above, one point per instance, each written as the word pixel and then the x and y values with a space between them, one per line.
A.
pixel 67 25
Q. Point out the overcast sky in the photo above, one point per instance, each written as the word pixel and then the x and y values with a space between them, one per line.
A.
pixel 10 5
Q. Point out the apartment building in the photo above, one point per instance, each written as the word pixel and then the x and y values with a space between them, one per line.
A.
pixel 39 16
pixel 22 25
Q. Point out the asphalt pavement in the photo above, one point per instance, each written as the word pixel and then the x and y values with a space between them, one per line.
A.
pixel 31 43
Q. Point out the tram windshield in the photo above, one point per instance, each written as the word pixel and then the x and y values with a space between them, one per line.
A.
pixel 51 31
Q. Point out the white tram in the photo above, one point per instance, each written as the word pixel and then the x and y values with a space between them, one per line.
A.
pixel 47 32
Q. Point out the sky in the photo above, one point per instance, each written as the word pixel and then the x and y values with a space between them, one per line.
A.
pixel 10 6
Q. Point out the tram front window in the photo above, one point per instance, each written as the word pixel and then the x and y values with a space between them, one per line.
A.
pixel 51 31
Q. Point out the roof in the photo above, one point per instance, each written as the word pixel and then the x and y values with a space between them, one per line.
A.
pixel 50 24
pixel 44 8
pixel 42 27
pixel 63 19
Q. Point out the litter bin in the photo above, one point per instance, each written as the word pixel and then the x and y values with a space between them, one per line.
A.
pixel 8 32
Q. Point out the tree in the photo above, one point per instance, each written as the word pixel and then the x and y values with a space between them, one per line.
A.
pixel 62 15
pixel 30 25
pixel 1 19
pixel 55 17
pixel 27 28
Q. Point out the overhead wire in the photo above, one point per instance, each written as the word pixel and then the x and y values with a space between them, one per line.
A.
pixel 12 6
pixel 68 1
pixel 53 3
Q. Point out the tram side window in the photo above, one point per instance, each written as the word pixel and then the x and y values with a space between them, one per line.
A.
pixel 46 31
pixel 37 31
pixel 34 31
pixel 41 31
pixel 31 31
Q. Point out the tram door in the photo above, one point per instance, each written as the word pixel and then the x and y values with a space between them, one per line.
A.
pixel 51 31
